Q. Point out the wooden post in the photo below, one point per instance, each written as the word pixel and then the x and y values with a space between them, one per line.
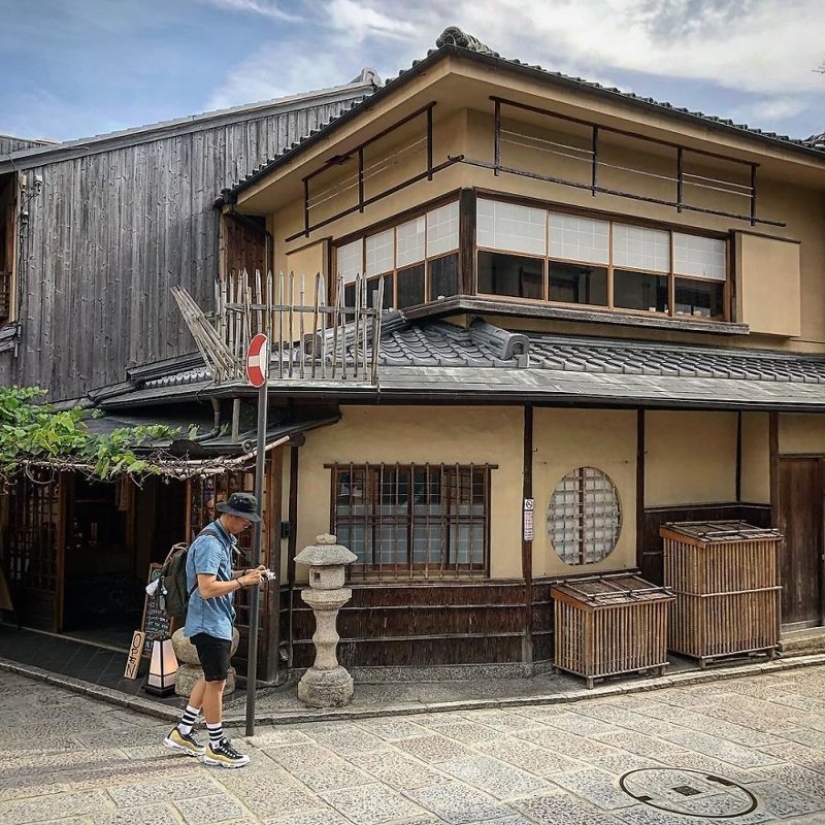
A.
pixel 773 458
pixel 526 536
pixel 640 492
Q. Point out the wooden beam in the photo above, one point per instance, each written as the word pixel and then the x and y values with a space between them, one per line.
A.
pixel 773 458
pixel 527 543
pixel 640 488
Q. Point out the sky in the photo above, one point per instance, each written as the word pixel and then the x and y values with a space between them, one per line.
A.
pixel 75 68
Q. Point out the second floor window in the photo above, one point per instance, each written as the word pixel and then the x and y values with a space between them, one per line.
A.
pixel 418 259
pixel 527 252
pixel 413 520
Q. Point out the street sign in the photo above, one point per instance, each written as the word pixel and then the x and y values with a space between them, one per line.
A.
pixel 257 360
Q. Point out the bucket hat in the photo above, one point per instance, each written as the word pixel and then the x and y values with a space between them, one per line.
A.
pixel 242 505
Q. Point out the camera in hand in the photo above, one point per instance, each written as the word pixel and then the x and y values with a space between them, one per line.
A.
pixel 269 575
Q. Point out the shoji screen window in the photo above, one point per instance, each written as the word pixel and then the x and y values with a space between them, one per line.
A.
pixel 641 266
pixel 700 268
pixel 512 242
pixel 579 254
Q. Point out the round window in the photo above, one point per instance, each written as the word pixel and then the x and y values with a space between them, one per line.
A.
pixel 585 517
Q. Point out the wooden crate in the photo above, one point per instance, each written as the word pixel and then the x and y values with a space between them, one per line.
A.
pixel 608 625
pixel 725 577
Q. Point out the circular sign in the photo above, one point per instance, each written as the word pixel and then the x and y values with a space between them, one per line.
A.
pixel 689 793
pixel 257 360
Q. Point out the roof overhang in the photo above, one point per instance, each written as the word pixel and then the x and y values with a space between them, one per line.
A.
pixel 458 79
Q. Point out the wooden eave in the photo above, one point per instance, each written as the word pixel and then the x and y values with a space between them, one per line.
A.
pixel 457 79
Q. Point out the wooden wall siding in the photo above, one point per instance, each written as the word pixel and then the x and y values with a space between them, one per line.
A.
pixel 14 144
pixel 110 233
pixel 244 247
pixel 432 625
pixel 652 556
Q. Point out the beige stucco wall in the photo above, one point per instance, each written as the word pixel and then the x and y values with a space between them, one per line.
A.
pixel 756 464
pixel 801 434
pixel 795 307
pixel 565 440
pixel 767 276
pixel 439 435
pixel 690 458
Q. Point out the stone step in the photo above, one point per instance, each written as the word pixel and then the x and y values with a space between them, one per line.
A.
pixel 803 642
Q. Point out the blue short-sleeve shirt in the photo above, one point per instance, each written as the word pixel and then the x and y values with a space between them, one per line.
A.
pixel 210 555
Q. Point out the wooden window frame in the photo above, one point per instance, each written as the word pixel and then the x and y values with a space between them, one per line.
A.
pixel 406 518
pixel 611 268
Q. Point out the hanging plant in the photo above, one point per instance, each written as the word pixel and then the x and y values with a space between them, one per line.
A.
pixel 36 433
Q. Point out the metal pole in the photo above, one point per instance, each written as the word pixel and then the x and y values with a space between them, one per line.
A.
pixel 255 595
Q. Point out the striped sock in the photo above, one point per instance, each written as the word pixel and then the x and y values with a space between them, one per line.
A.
pixel 215 733
pixel 187 721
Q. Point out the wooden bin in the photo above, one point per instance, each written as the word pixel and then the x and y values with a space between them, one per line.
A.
pixel 609 625
pixel 725 576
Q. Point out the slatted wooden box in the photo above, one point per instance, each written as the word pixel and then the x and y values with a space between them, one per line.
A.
pixel 608 625
pixel 725 576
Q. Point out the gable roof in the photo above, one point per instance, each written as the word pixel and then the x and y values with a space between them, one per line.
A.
pixel 356 90
pixel 456 43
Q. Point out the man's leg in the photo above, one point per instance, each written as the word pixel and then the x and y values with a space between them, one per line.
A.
pixel 181 737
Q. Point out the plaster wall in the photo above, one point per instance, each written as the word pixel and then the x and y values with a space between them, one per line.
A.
pixel 565 440
pixel 756 469
pixel 690 458
pixel 801 434
pixel 438 435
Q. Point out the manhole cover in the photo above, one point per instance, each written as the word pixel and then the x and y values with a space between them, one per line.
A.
pixel 690 793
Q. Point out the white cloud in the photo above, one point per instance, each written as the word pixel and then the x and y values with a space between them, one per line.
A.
pixel 771 110
pixel 265 8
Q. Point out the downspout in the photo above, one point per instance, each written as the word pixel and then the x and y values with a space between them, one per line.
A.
pixel 216 423
pixel 244 220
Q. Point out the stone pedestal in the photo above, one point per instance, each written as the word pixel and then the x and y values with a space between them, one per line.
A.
pixel 326 684
pixel 189 665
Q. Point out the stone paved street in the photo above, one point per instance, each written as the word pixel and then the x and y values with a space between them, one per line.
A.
pixel 743 750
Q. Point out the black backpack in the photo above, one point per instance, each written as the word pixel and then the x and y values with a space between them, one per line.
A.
pixel 173 594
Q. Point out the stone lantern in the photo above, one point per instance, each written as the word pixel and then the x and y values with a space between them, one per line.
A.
pixel 326 684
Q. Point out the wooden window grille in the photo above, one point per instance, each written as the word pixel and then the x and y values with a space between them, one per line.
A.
pixel 584 518
pixel 413 520
pixel 5 295
pixel 32 536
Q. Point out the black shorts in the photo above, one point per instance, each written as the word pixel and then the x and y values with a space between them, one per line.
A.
pixel 214 656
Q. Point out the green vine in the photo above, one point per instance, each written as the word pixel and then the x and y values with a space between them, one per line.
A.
pixel 34 432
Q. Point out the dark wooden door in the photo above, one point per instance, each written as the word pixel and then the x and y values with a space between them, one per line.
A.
pixel 800 519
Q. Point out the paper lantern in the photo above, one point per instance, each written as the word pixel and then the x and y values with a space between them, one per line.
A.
pixel 163 669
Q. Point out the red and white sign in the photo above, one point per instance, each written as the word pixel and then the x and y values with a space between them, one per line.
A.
pixel 257 360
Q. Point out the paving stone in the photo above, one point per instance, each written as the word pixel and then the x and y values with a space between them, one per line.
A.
pixel 494 777
pixel 393 729
pixel 434 748
pixel 501 720
pixel 581 725
pixel 144 815
pixel 468 732
pixel 719 748
pixel 622 763
pixel 204 810
pixel 795 778
pixel 556 808
pixel 638 743
pixel 536 760
pixel 325 817
pixel 566 744
pixel 349 739
pixel 147 793
pixel 54 806
pixel 328 774
pixel 598 787
pixel 397 770
pixel 371 805
pixel 275 737
pixel 458 805
pixel 806 736
pixel 294 756
pixel 784 802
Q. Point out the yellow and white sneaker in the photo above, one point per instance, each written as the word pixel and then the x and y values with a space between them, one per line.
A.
pixel 185 742
pixel 224 755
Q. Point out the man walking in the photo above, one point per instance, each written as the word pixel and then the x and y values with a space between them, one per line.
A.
pixel 210 619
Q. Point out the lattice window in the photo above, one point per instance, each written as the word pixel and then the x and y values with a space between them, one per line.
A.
pixel 31 539
pixel 584 518
pixel 413 520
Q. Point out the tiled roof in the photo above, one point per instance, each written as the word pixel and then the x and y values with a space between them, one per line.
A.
pixel 456 41
pixel 432 358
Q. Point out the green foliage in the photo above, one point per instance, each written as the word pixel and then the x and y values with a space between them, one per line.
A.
pixel 35 431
